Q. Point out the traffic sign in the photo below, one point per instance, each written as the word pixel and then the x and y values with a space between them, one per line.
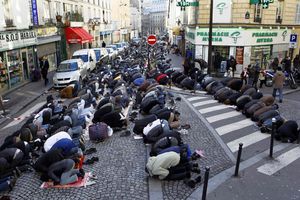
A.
pixel 151 40
pixel 293 38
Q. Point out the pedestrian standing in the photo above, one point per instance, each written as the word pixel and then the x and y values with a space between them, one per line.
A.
pixel 262 78
pixel 274 64
pixel 103 44
pixel 233 65
pixel 278 81
pixel 256 70
pixel 296 62
pixel 287 65
pixel 45 68
pixel 244 75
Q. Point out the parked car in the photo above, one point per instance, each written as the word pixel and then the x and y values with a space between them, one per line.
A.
pixel 102 56
pixel 88 56
pixel 125 45
pixel 111 53
pixel 69 71
pixel 120 47
pixel 136 41
pixel 114 47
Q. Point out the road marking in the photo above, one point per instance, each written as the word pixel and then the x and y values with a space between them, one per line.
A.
pixel 222 177
pixel 234 126
pixel 280 162
pixel 196 98
pixel 223 116
pixel 25 114
pixel 247 140
pixel 202 103
pixel 211 109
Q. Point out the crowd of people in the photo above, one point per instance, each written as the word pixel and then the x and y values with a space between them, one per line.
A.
pixel 52 142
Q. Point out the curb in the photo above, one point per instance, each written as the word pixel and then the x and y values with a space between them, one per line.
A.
pixel 291 91
pixel 24 106
pixel 154 186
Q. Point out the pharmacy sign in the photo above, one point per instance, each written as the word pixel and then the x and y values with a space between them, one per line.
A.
pixel 183 3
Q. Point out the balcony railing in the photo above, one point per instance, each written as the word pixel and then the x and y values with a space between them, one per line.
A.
pixel 74 17
pixel 257 19
pixel 9 23
pixel 278 20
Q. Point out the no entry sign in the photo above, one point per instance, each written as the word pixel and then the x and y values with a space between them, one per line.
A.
pixel 151 39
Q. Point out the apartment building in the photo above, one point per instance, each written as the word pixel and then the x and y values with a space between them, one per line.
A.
pixel 245 29
pixel 121 20
pixel 17 44
pixel 86 22
pixel 135 18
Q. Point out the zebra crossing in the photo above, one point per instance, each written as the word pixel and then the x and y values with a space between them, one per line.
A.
pixel 234 128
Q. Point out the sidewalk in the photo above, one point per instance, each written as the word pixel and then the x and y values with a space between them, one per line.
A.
pixel 21 97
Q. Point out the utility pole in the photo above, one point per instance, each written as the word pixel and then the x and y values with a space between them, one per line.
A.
pixel 210 38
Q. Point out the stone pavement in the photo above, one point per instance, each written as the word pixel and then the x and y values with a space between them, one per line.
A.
pixel 198 137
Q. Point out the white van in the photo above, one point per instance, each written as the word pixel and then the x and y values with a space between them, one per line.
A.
pixel 69 71
pixel 88 56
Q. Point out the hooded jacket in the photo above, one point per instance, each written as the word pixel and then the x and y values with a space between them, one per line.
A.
pixel 278 79
pixel 160 164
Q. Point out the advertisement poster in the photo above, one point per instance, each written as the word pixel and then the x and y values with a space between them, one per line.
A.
pixel 240 55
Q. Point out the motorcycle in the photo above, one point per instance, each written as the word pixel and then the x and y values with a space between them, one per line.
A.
pixel 289 79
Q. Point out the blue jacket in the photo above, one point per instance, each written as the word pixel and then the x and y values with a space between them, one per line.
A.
pixel 65 144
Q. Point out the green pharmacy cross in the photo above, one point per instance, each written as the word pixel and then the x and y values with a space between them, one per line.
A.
pixel 265 3
pixel 184 3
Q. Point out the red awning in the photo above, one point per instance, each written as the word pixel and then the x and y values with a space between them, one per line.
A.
pixel 77 35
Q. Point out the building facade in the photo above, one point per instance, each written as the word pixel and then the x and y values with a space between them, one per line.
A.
pixel 18 44
pixel 121 20
pixel 135 18
pixel 244 29
pixel 89 21
pixel 154 16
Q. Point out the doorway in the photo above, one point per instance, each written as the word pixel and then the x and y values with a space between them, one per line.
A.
pixel 24 59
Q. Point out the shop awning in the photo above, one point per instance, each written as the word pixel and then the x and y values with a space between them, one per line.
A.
pixel 77 35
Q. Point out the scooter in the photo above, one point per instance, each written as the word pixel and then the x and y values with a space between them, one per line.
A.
pixel 289 79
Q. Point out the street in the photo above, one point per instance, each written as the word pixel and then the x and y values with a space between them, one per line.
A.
pixel 215 128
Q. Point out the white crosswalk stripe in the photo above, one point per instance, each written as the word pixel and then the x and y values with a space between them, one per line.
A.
pixel 202 103
pixel 213 108
pixel 249 136
pixel 226 115
pixel 280 162
pixel 247 140
pixel 234 126
pixel 196 98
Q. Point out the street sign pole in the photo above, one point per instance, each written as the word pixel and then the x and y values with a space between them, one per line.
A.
pixel 210 37
pixel 151 40
pixel 148 57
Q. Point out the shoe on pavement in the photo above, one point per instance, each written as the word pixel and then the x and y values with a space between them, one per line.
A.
pixel 90 183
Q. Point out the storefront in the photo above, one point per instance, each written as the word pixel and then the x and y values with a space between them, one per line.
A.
pixel 17 57
pixel 106 37
pixel 77 38
pixel 116 36
pixel 246 45
pixel 48 46
pixel 124 35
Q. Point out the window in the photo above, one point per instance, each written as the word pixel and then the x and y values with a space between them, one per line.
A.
pixel 7 13
pixel 258 13
pixel 279 12
pixel 58 8
pixel 297 19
